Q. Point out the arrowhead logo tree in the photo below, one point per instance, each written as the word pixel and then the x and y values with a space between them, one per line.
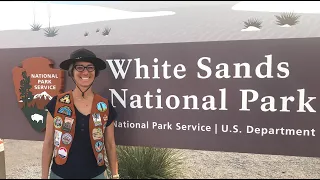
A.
pixel 25 93
pixel 35 83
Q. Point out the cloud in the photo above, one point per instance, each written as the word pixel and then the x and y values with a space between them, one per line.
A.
pixel 279 6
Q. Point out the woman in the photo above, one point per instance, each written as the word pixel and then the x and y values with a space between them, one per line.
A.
pixel 80 125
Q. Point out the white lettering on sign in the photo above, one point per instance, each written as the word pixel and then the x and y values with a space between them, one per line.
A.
pixel 50 76
pixel 282 131
pixel 269 102
pixel 250 98
pixel 171 102
pixel 44 81
pixel 143 71
pixel 243 70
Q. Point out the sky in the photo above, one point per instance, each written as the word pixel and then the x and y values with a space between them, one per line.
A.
pixel 22 14
pixel 76 2
pixel 279 6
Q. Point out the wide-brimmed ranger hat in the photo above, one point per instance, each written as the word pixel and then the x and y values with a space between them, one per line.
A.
pixel 83 55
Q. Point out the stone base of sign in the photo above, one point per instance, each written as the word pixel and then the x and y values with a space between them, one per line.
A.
pixel 2 161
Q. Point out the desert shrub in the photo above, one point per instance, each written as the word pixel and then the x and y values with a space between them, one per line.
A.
pixel 253 22
pixel 51 31
pixel 86 34
pixel 35 27
pixel 149 163
pixel 106 31
pixel 287 18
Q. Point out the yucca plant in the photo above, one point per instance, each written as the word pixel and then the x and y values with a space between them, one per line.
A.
pixel 106 31
pixel 35 27
pixel 253 22
pixel 149 163
pixel 288 18
pixel 51 31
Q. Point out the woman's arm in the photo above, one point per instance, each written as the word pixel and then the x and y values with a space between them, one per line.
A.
pixel 47 149
pixel 111 149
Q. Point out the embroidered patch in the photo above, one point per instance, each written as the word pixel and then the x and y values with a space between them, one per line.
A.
pixel 97 119
pixel 98 146
pixel 101 106
pixel 65 99
pixel 57 121
pixel 65 110
pixel 67 124
pixel 66 138
pixel 97 133
pixel 100 158
pixel 105 117
pixel 62 152
pixel 57 138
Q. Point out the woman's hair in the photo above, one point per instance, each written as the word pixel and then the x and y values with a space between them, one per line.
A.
pixel 71 68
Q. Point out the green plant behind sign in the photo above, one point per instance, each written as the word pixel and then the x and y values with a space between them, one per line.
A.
pixel 149 163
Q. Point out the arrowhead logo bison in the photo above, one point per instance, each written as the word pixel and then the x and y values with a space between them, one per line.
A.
pixel 35 83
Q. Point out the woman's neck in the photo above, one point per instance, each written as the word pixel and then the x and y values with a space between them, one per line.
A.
pixel 77 93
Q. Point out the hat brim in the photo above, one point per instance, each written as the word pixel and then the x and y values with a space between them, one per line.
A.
pixel 97 62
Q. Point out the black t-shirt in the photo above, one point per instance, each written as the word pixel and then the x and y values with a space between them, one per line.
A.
pixel 81 163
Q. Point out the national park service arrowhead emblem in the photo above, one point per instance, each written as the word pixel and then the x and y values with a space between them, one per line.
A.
pixel 35 83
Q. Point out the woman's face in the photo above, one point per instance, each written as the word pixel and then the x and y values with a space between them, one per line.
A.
pixel 84 73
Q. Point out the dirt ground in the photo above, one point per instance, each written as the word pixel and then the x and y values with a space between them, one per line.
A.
pixel 23 161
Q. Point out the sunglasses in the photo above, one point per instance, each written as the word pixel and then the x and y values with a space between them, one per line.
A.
pixel 81 68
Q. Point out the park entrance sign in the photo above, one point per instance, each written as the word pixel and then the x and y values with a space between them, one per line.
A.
pixel 254 100
pixel 220 96
pixel 243 81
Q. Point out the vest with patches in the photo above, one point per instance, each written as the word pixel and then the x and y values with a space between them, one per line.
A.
pixel 64 127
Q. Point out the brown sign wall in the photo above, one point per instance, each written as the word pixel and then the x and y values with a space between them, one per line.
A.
pixel 301 56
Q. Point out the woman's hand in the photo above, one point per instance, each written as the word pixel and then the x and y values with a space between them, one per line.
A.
pixel 47 149
pixel 111 149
